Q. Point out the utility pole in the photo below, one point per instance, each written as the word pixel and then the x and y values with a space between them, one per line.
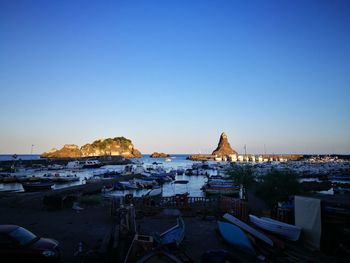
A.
pixel 31 153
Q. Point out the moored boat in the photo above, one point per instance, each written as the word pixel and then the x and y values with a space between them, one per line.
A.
pixel 154 192
pixel 55 167
pixel 180 170
pixel 37 186
pixel 181 182
pixel 290 232
pixel 221 189
pixel 74 165
pixel 92 164
pixel 107 188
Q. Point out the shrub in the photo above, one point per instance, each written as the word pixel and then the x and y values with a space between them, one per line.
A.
pixel 90 200
pixel 278 186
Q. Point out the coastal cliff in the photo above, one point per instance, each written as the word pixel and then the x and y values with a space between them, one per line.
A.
pixel 159 155
pixel 224 148
pixel 68 150
pixel 118 146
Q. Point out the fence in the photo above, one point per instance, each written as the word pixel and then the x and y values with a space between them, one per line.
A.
pixel 198 205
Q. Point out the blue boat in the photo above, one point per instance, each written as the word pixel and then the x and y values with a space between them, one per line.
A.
pixel 174 235
pixel 235 236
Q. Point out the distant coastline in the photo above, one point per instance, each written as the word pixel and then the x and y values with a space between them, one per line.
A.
pixel 9 157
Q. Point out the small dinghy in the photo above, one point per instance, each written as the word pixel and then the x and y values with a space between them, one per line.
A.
pixel 291 232
pixel 174 235
pixel 235 236
pixel 154 192
pixel 248 229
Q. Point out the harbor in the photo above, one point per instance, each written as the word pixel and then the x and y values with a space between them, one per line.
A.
pixel 126 204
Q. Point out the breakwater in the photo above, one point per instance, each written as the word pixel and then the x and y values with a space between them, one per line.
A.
pixel 7 165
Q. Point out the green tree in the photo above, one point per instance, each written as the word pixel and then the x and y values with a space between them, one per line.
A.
pixel 242 175
pixel 278 186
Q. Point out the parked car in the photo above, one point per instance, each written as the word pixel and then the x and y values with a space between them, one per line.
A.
pixel 17 244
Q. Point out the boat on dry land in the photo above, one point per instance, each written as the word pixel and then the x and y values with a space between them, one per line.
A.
pixel 290 232
pixel 230 218
pixel 236 237
pixel 174 235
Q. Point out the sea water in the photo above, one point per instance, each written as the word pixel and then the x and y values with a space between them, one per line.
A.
pixel 179 160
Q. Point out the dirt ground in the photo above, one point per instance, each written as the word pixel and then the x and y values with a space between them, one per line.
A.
pixel 66 226
pixel 92 224
pixel 201 235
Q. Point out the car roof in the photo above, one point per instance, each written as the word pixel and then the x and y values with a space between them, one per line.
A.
pixel 7 228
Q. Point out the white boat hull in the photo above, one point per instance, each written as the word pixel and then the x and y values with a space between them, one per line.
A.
pixel 291 232
pixel 155 192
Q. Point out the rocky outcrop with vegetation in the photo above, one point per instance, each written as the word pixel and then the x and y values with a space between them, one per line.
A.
pixel 159 155
pixel 68 150
pixel 118 146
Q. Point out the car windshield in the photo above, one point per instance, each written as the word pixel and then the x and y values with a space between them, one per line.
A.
pixel 22 236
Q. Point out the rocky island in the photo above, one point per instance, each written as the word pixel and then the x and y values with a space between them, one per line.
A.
pixel 159 155
pixel 118 146
pixel 223 149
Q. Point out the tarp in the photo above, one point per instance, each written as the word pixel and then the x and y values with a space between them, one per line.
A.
pixel 308 217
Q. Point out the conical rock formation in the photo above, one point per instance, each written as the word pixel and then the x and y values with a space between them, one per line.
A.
pixel 224 148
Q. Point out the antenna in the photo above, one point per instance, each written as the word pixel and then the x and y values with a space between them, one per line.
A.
pixel 264 149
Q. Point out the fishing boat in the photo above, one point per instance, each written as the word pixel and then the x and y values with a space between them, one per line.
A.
pixel 180 170
pixel 92 164
pixel 235 236
pixel 55 167
pixel 74 165
pixel 172 236
pixel 290 232
pixel 221 189
pixel 129 185
pixel 57 178
pixel 37 186
pixel 181 182
pixel 248 228
pixel 154 192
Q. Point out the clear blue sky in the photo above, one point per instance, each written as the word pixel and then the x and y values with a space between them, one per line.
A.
pixel 172 75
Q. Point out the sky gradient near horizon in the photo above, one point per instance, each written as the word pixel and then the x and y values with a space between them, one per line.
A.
pixel 172 75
